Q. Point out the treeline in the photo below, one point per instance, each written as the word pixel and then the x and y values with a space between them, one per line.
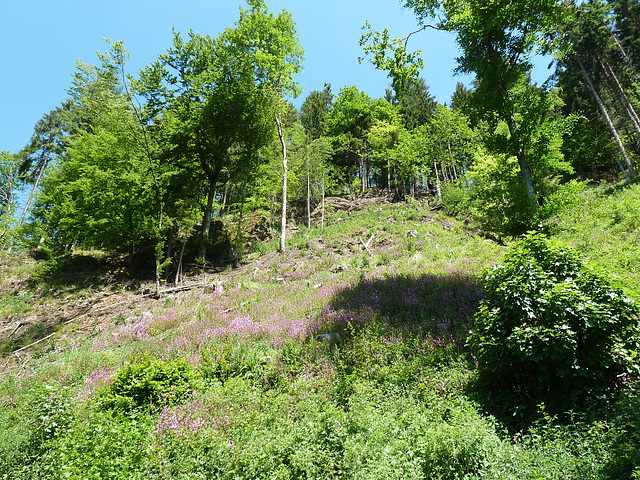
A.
pixel 150 162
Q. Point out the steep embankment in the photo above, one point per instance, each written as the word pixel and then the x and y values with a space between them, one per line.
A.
pixel 228 382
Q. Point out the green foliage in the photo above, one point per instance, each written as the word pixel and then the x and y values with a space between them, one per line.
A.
pixel 101 447
pixel 498 195
pixel 456 198
pixel 149 382
pixel 9 181
pixel 553 329
pixel 392 56
pixel 604 227
pixel 396 398
pixel 566 196
pixel 314 110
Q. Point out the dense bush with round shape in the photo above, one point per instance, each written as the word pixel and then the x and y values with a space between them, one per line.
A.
pixel 148 381
pixel 553 329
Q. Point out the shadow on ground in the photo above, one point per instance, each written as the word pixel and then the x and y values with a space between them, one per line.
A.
pixel 442 304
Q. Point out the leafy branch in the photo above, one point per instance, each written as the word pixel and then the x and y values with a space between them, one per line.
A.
pixel 391 55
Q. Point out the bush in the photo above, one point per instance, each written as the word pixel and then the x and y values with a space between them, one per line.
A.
pixel 498 197
pixel 552 329
pixel 149 382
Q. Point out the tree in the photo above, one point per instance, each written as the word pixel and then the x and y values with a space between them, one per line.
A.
pixel 203 91
pixel 416 104
pixel 223 94
pixel 101 193
pixel 383 138
pixel 271 46
pixel 347 125
pixel 592 52
pixel 9 181
pixel 49 142
pixel 497 39
pixel 314 110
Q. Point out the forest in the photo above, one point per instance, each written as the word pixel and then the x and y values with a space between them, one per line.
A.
pixel 145 163
pixel 356 288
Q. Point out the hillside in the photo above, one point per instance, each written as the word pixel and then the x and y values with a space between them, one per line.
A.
pixel 222 377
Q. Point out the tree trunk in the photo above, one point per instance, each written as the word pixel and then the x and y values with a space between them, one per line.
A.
pixel 323 199
pixel 627 60
pixel 158 252
pixel 179 269
pixel 438 190
pixel 632 172
pixel 308 192
pixel 224 196
pixel 525 171
pixel 624 172
pixel 9 202
pixel 453 163
pixel 283 227
pixel 206 221
pixel 388 175
pixel 395 180
pixel 363 174
pixel 31 195
pixel 240 217
pixel 622 97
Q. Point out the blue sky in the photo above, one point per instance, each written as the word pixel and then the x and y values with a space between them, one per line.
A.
pixel 41 39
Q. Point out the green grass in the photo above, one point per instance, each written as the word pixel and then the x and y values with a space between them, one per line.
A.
pixel 398 397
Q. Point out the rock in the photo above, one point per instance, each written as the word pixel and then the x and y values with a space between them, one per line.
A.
pixel 412 233
pixel 215 287
pixel 330 339
pixel 266 360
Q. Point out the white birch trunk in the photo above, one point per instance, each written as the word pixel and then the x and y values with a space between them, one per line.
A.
pixel 283 227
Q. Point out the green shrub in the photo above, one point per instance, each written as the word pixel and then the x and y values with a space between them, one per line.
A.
pixel 101 447
pixel 566 196
pixel 456 198
pixel 50 412
pixel 553 329
pixel 149 382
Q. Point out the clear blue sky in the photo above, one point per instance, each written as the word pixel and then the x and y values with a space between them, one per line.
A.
pixel 41 39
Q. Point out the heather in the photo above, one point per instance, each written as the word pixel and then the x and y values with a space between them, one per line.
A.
pixel 232 383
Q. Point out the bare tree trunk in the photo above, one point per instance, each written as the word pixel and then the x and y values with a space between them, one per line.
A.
pixel 240 216
pixel 179 268
pixel 395 179
pixel 31 195
pixel 622 96
pixel 158 254
pixel 624 172
pixel 603 109
pixel 627 60
pixel 438 189
pixel 144 144
pixel 322 198
pixel 206 221
pixel 9 199
pixel 308 192
pixel 224 196
pixel 525 171
pixel 388 175
pixel 363 174
pixel 283 227
pixel 445 172
pixel 453 163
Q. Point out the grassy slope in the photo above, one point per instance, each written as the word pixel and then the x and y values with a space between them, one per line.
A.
pixel 395 400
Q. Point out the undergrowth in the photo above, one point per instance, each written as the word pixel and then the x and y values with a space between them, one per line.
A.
pixel 234 384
